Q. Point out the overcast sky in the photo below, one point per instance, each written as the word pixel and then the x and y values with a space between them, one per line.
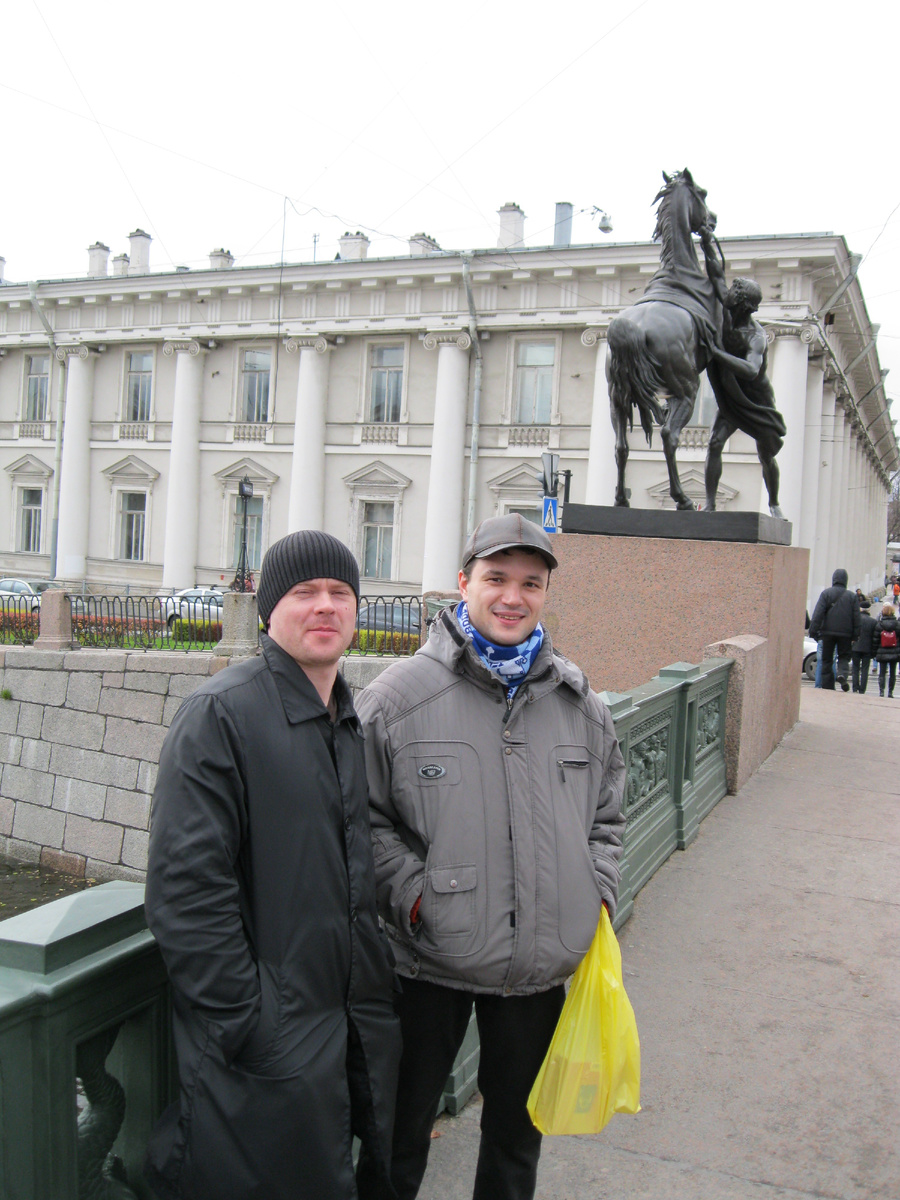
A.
pixel 250 126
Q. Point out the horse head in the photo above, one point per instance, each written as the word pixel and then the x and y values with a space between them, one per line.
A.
pixel 680 194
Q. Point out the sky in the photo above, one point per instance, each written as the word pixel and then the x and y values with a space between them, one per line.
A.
pixel 269 129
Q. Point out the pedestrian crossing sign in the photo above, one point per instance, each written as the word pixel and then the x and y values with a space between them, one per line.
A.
pixel 549 521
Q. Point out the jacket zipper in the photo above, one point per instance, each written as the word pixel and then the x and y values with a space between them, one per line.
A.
pixel 562 763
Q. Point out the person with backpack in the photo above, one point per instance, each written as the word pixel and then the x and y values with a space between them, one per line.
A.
pixel 886 646
pixel 835 620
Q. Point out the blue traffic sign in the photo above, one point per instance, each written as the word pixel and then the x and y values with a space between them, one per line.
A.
pixel 550 521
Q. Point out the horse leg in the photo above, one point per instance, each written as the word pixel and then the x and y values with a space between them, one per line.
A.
pixel 621 429
pixel 680 409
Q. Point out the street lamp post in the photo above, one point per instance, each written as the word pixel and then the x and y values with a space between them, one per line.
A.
pixel 242 578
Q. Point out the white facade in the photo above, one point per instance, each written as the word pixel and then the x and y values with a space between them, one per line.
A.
pixel 344 390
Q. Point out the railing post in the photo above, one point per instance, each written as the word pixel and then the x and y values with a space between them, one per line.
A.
pixel 240 625
pixel 56 621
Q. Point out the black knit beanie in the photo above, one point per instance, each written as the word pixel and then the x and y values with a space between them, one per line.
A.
pixel 306 554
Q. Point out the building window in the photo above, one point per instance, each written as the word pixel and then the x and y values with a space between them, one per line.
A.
pixel 254 532
pixel 132 521
pixel 137 388
pixel 255 386
pixel 533 513
pixel 385 383
pixel 31 503
pixel 534 382
pixel 37 386
pixel 378 539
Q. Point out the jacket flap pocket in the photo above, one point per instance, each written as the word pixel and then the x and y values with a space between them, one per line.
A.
pixel 453 879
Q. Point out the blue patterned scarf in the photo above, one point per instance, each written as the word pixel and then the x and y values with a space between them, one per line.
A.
pixel 509 663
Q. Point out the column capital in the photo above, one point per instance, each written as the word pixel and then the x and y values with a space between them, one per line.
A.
pixel 446 337
pixel 76 350
pixel 320 344
pixel 182 346
pixel 806 333
pixel 594 334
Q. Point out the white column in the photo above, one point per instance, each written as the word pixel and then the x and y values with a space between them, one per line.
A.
pixel 183 491
pixel 812 456
pixel 819 569
pixel 788 376
pixel 444 507
pixel 600 484
pixel 74 475
pixel 839 499
pixel 306 500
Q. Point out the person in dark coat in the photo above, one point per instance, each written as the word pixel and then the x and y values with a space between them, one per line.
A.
pixel 835 620
pixel 885 653
pixel 261 895
pixel 861 651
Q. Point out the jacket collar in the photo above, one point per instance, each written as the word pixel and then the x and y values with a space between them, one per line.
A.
pixel 299 698
pixel 449 645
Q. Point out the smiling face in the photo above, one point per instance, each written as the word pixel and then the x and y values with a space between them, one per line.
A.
pixel 314 622
pixel 506 595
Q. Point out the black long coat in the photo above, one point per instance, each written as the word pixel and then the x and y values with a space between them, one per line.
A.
pixel 261 895
pixel 886 654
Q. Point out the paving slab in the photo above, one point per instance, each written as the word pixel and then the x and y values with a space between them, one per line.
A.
pixel 763 964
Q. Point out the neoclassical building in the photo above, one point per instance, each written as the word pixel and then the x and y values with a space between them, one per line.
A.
pixel 396 401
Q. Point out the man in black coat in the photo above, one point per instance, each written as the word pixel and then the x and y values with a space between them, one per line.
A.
pixel 861 650
pixel 835 621
pixel 261 895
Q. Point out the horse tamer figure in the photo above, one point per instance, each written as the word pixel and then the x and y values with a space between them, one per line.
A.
pixel 659 346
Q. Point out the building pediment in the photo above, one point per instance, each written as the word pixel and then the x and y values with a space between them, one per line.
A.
pixel 255 472
pixel 522 478
pixel 29 468
pixel 694 483
pixel 377 477
pixel 131 470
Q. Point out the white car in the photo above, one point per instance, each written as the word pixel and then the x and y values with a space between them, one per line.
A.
pixel 192 604
pixel 22 593
pixel 810 649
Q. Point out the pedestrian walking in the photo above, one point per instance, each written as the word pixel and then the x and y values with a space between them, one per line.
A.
pixel 861 651
pixel 886 645
pixel 496 786
pixel 835 620
pixel 261 895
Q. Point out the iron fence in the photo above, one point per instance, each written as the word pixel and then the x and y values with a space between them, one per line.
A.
pixel 20 620
pixel 387 625
pixel 145 622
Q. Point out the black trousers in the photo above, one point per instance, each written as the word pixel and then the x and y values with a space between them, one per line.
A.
pixel 515 1032
pixel 861 666
pixel 887 671
pixel 829 641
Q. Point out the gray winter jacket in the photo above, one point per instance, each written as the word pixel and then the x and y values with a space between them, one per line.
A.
pixel 506 821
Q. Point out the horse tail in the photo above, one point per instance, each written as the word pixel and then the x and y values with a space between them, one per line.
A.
pixel 634 378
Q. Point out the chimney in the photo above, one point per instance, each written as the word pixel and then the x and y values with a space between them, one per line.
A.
pixel 2 267
pixel 512 227
pixel 220 260
pixel 120 264
pixel 140 252
pixel 353 246
pixel 98 260
pixel 423 243
pixel 562 229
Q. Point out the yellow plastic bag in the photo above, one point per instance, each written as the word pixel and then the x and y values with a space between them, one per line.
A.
pixel 593 1066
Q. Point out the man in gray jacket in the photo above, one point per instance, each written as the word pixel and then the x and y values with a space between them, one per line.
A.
pixel 495 784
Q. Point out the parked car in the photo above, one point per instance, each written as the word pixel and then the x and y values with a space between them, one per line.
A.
pixel 397 616
pixel 192 604
pixel 810 649
pixel 21 591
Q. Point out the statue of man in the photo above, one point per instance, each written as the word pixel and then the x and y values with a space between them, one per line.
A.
pixel 737 373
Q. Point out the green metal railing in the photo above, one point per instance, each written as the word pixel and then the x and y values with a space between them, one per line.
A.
pixel 83 992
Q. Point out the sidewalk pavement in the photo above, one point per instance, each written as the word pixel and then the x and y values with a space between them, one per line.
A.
pixel 763 964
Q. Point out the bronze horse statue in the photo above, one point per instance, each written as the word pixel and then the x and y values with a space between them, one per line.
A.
pixel 659 346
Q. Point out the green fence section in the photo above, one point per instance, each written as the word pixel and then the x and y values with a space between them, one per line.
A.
pixel 84 996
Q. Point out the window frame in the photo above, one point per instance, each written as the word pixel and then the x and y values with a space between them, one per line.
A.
pixel 20 507
pixel 242 351
pixel 127 418
pixel 363 410
pixel 119 494
pixel 28 376
pixel 510 413
pixel 366 526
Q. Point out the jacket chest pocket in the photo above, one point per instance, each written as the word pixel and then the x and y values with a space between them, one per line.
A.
pixel 450 911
